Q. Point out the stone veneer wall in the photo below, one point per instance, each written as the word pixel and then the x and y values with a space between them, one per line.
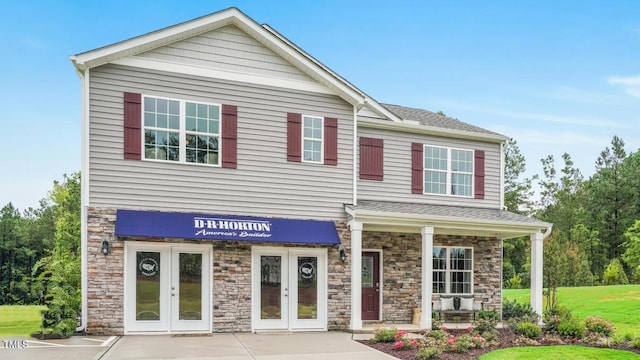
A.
pixel 402 263
pixel 231 280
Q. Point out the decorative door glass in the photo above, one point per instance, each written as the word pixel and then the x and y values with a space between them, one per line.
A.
pixel 367 271
pixel 307 287
pixel 147 285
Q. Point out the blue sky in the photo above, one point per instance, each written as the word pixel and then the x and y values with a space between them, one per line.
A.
pixel 557 76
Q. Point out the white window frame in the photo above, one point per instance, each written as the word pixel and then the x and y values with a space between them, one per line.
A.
pixel 321 140
pixel 448 171
pixel 448 269
pixel 182 131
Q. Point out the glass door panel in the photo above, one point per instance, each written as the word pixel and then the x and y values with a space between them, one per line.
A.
pixel 190 287
pixel 307 287
pixel 270 287
pixel 147 286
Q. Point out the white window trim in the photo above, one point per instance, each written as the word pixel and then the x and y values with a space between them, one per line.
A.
pixel 182 131
pixel 322 139
pixel 448 270
pixel 448 172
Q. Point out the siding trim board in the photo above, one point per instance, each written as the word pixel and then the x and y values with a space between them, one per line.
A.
pixel 371 159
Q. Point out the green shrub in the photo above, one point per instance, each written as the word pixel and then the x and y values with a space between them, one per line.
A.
pixel 429 353
pixel 459 344
pixel 438 334
pixel 528 329
pixel 554 315
pixel 635 343
pixel 384 335
pixel 617 339
pixel 629 336
pixel 571 328
pixel 599 325
pixel 515 310
pixel 515 282
pixel 486 322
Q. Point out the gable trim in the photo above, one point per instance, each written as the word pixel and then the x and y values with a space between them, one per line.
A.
pixel 193 70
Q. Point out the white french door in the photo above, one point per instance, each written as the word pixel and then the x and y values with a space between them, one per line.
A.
pixel 168 288
pixel 289 289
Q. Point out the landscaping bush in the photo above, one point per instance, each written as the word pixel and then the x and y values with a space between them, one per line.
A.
pixel 635 343
pixel 528 329
pixel 384 335
pixel 571 327
pixel 429 353
pixel 553 316
pixel 486 321
pixel 599 325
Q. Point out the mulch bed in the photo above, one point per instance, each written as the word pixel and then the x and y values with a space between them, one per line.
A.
pixel 507 339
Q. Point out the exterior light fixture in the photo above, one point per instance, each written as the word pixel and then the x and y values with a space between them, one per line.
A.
pixel 343 254
pixel 106 246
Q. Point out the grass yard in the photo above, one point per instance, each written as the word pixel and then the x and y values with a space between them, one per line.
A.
pixel 619 304
pixel 20 320
pixel 558 352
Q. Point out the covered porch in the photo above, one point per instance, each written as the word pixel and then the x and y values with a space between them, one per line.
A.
pixel 425 251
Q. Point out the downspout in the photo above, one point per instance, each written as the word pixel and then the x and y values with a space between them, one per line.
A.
pixel 84 201
pixel 502 172
pixel 356 109
pixel 547 232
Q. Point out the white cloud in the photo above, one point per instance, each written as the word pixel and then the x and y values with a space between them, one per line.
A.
pixel 624 80
pixel 567 93
pixel 635 92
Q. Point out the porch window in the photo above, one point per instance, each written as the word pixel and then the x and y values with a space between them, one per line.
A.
pixel 452 270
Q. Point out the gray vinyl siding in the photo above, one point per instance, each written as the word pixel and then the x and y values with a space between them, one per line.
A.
pixel 264 184
pixel 396 185
pixel 228 48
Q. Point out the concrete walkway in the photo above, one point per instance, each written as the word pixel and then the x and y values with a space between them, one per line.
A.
pixel 298 346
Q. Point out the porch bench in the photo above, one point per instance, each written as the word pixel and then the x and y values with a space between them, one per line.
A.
pixel 457 304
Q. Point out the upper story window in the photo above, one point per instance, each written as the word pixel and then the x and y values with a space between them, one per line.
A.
pixel 312 138
pixel 448 171
pixel 182 131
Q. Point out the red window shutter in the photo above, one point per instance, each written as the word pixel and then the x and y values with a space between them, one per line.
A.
pixel 330 141
pixel 371 159
pixel 417 168
pixel 478 174
pixel 229 136
pixel 132 126
pixel 294 137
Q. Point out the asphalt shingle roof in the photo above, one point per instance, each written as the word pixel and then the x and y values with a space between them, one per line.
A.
pixel 426 117
pixel 464 213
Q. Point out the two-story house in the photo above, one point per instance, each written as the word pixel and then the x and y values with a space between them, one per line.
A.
pixel 232 182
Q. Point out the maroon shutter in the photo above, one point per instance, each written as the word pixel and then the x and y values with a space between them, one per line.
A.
pixel 132 126
pixel 417 168
pixel 294 137
pixel 330 141
pixel 478 174
pixel 229 136
pixel 371 159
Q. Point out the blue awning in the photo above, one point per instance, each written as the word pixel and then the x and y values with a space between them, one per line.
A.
pixel 159 224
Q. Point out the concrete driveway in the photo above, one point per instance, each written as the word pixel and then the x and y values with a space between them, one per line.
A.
pixel 243 346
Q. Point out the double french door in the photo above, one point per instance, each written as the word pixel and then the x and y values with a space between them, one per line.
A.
pixel 168 288
pixel 289 289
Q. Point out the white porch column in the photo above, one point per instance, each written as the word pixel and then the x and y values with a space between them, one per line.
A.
pixel 356 274
pixel 536 272
pixel 427 276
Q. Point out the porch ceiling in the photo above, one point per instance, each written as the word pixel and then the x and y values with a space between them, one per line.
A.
pixel 446 220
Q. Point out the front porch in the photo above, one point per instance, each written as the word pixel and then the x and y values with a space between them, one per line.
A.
pixel 424 254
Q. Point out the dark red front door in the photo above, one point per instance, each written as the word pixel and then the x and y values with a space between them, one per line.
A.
pixel 370 286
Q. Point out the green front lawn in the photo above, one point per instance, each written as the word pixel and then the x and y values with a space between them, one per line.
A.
pixel 20 320
pixel 617 303
pixel 558 352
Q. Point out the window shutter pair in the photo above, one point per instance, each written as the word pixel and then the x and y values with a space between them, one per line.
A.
pixel 417 171
pixel 133 131
pixel 371 159
pixel 294 139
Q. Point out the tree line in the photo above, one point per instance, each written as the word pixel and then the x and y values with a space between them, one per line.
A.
pixel 596 232
pixel 40 256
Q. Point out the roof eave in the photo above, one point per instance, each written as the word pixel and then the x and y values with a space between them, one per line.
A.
pixel 447 222
pixel 432 130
